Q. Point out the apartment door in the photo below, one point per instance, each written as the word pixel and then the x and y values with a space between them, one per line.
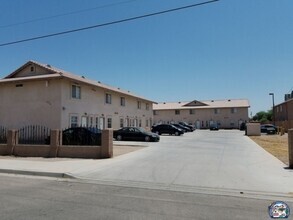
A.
pixel 197 124
pixel 84 121
pixel 102 123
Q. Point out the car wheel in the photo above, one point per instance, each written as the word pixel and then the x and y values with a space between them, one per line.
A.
pixel 119 138
pixel 176 133
pixel 147 138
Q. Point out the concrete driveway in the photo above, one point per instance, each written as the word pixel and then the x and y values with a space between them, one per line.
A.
pixel 214 160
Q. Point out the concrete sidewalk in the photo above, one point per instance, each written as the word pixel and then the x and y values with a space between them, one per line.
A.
pixel 59 167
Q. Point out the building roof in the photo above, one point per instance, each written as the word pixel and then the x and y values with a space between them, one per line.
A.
pixel 227 103
pixel 59 73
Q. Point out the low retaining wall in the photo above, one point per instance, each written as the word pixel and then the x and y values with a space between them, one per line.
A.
pixel 56 149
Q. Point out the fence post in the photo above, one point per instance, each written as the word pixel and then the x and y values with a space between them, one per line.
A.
pixel 290 147
pixel 55 142
pixel 12 140
pixel 107 143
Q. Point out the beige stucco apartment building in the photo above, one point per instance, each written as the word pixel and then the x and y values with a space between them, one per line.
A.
pixel 228 113
pixel 39 94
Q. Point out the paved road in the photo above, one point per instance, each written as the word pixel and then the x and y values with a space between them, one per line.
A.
pixel 216 161
pixel 36 199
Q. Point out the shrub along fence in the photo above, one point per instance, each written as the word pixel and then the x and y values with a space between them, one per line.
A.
pixel 22 143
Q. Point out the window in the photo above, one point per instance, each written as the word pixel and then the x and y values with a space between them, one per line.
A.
pixel 139 123
pixel 139 104
pixel 155 112
pixel 109 122
pixel 147 106
pixel 73 121
pixel 97 122
pixel 32 69
pixel 233 110
pixel 75 92
pixel 146 123
pixel 216 111
pixel 91 121
pixel 122 101
pixel 281 108
pixel 108 98
pixel 177 112
pixel 191 111
pixel 121 122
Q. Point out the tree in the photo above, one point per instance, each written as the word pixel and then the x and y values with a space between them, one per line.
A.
pixel 263 116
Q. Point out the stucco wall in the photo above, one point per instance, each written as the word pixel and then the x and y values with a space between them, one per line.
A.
pixel 92 106
pixel 29 103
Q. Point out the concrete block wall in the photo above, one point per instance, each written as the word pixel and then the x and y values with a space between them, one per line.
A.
pixel 56 149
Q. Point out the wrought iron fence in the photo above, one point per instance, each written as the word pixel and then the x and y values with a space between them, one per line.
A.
pixel 3 135
pixel 33 134
pixel 88 136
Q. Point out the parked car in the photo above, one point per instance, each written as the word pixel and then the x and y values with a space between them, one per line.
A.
pixel 187 125
pixel 167 129
pixel 81 136
pixel 134 134
pixel 268 128
pixel 214 127
pixel 242 126
pixel 184 128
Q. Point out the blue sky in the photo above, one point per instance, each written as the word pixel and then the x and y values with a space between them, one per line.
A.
pixel 224 50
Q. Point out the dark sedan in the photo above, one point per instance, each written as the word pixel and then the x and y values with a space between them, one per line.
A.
pixel 268 128
pixel 81 136
pixel 167 129
pixel 134 134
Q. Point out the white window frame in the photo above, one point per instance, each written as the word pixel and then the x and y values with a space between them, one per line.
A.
pixel 217 111
pixel 75 91
pixel 122 101
pixel 139 104
pixel 108 98
pixel 233 110
pixel 109 122
pixel 73 121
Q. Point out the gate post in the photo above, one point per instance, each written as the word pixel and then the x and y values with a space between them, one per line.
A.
pixel 107 143
pixel 12 140
pixel 290 147
pixel 55 142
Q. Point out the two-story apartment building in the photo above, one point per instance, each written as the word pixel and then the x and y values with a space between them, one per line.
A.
pixel 228 113
pixel 39 94
pixel 284 112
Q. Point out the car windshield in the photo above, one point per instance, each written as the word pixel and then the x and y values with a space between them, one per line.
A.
pixel 141 129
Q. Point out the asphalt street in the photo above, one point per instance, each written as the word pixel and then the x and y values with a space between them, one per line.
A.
pixel 35 198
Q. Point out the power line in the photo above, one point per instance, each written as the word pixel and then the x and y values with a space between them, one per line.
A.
pixel 108 23
pixel 65 14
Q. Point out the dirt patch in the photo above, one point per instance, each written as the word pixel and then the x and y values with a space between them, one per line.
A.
pixel 274 144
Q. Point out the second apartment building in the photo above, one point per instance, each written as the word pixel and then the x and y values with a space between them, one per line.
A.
pixel 230 113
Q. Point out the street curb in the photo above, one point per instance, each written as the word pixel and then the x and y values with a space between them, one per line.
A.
pixel 37 173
